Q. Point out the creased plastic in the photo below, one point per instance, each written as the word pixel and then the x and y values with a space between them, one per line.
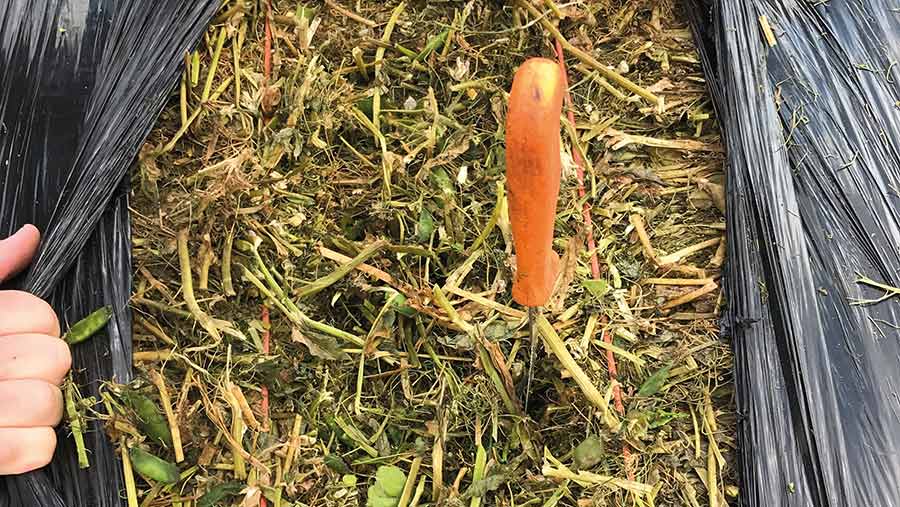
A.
pixel 81 83
pixel 812 129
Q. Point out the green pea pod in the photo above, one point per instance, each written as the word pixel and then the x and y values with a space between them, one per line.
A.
pixel 88 326
pixel 150 419
pixel 152 467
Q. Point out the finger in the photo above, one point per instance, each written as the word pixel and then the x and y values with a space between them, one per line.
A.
pixel 35 357
pixel 17 250
pixel 29 403
pixel 24 313
pixel 25 449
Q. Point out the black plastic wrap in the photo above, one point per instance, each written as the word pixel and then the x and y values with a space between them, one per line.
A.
pixel 812 129
pixel 81 83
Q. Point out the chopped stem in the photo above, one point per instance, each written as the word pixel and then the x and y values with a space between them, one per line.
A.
pixel 187 288
pixel 407 494
pixel 589 60
pixel 558 347
pixel 299 318
pixel 227 284
pixel 332 278
pixel 214 65
pixel 166 403
pixel 75 424
pixel 128 474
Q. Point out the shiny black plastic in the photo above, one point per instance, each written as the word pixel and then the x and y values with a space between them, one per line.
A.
pixel 81 82
pixel 812 129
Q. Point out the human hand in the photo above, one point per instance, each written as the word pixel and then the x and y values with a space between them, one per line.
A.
pixel 33 362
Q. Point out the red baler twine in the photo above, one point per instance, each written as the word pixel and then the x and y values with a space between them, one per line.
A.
pixel 591 244
pixel 267 57
pixel 264 390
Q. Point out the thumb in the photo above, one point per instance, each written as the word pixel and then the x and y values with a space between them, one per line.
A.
pixel 17 250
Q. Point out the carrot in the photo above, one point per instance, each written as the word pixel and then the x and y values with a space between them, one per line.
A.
pixel 532 176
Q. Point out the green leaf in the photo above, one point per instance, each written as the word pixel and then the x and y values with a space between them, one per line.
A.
pixel 589 452
pixel 376 497
pixel 334 462
pixel 663 417
pixel 434 44
pixel 440 179
pixel 653 384
pixel 425 227
pixel 366 105
pixel 217 494
pixel 320 345
pixel 382 501
pixel 391 479
pixel 597 288
pixel 486 485
pixel 399 303
pixel 304 12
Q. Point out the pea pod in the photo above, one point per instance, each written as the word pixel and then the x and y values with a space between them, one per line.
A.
pixel 152 467
pixel 150 419
pixel 88 326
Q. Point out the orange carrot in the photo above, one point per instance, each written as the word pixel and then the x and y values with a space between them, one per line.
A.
pixel 532 176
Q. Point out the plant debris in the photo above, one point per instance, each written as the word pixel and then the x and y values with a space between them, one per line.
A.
pixel 323 264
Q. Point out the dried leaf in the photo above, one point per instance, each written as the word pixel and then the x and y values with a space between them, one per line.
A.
pixel 323 347
pixel 499 360
pixel 269 98
pixel 252 495
pixel 567 266
pixel 448 155
pixel 463 175
pixel 716 192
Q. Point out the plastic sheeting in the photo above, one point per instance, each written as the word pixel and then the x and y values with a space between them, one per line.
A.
pixel 812 127
pixel 81 83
